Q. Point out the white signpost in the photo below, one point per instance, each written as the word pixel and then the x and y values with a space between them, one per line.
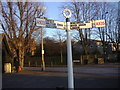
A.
pixel 99 23
pixel 40 22
pixel 88 24
pixel 55 24
pixel 81 24
pixel 47 23
pixel 69 50
pixel 60 25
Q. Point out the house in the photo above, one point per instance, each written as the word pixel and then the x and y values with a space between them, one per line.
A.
pixel 95 50
pixel 6 53
pixel 94 46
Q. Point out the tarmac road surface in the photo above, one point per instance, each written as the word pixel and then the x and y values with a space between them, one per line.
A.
pixel 85 76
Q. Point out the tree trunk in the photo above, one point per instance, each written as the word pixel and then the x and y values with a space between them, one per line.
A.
pixel 61 55
pixel 21 57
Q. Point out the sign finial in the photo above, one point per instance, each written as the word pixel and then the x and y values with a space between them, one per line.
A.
pixel 67 13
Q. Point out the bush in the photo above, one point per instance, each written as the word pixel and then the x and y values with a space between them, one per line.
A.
pixel 96 61
pixel 85 61
pixel 36 61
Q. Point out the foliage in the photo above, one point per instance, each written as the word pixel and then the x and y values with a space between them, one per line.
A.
pixel 18 23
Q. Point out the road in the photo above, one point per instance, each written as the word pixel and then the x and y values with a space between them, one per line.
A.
pixel 85 76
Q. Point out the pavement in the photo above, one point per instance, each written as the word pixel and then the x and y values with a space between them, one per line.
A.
pixel 85 76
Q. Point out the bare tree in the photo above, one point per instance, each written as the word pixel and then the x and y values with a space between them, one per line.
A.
pixel 112 27
pixel 60 36
pixel 83 11
pixel 18 23
pixel 110 32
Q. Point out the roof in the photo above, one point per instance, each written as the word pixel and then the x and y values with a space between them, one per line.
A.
pixel 4 41
pixel 1 38
pixel 93 40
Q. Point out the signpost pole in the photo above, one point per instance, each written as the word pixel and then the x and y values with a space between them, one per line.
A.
pixel 69 56
pixel 69 50
pixel 73 25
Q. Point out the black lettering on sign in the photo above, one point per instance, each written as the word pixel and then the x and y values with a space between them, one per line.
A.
pixel 74 26
pixel 51 26
pixel 82 24
pixel 73 22
pixel 49 21
pixel 41 22
pixel 59 24
pixel 87 21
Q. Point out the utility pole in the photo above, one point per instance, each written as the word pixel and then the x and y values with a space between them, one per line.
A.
pixel 42 51
pixel 42 46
